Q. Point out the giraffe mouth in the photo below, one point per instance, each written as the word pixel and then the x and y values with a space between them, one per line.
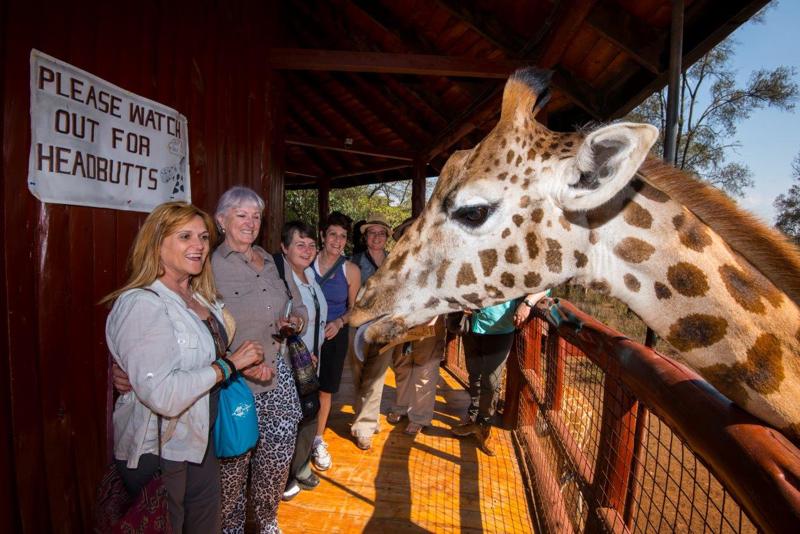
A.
pixel 381 330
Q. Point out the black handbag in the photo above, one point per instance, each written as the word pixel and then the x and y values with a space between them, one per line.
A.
pixel 458 323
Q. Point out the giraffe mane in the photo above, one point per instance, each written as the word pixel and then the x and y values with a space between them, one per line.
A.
pixel 765 248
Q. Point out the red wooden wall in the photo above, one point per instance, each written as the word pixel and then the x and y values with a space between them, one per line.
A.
pixel 203 58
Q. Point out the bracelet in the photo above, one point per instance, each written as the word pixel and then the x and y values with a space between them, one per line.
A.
pixel 234 370
pixel 224 369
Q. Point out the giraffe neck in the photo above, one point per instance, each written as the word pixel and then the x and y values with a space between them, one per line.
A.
pixel 724 317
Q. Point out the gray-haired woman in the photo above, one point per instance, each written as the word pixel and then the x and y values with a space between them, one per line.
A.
pixel 253 292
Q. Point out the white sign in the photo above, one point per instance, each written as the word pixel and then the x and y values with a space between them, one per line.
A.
pixel 95 144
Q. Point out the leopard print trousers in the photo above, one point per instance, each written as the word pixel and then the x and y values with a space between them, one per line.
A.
pixel 268 462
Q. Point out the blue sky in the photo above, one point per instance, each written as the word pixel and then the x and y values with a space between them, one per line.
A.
pixel 770 138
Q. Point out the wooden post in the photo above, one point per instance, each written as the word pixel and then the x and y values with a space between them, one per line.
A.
pixel 418 187
pixel 673 95
pixel 323 199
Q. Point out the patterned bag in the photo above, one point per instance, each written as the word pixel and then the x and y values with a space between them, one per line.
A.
pixel 117 512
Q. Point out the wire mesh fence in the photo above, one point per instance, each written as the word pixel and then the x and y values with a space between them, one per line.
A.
pixel 604 459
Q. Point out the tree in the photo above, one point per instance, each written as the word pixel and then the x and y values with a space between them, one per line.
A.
pixel 712 105
pixel 788 206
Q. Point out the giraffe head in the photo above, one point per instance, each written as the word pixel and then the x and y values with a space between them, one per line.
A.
pixel 496 226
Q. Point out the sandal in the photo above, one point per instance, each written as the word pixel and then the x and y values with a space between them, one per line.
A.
pixel 394 418
pixel 413 429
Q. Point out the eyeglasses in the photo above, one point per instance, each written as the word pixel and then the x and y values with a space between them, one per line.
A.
pixel 377 234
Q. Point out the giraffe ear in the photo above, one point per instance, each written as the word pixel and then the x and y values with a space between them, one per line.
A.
pixel 605 163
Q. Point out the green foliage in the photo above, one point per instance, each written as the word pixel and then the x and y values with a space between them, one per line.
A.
pixel 392 199
pixel 712 106
pixel 788 206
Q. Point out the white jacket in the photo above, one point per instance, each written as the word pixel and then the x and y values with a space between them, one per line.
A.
pixel 167 351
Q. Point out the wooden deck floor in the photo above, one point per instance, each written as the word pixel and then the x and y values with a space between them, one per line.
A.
pixel 432 483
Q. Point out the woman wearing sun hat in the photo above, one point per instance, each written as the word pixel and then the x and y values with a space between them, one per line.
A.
pixel 375 232
pixel 369 374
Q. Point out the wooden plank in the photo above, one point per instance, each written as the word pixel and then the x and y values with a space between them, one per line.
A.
pixel 483 23
pixel 433 482
pixel 343 146
pixel 373 170
pixel 389 63
pixel 643 43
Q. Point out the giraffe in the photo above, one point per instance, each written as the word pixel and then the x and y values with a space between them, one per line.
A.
pixel 528 209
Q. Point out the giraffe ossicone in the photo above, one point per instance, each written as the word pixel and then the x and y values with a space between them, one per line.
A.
pixel 527 209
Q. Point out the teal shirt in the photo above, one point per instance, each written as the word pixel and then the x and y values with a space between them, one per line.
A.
pixel 497 319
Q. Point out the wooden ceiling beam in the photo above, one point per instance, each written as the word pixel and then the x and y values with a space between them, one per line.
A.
pixel 485 25
pixel 308 127
pixel 373 170
pixel 387 63
pixel 341 145
pixel 643 43
pixel 299 170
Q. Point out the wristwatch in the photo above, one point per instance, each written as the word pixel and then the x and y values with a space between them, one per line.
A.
pixel 529 303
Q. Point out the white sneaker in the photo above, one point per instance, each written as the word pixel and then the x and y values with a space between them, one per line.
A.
pixel 291 491
pixel 320 456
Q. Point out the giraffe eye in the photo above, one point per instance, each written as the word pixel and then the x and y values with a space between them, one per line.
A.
pixel 473 216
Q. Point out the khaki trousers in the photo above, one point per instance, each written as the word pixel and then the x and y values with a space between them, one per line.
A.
pixel 368 379
pixel 417 373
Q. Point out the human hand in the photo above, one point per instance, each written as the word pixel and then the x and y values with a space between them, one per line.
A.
pixel 521 314
pixel 314 358
pixel 259 373
pixel 332 328
pixel 120 379
pixel 249 353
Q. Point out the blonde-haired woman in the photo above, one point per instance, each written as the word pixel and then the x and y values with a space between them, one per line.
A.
pixel 166 331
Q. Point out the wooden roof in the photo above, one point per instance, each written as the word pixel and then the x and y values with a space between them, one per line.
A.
pixel 373 85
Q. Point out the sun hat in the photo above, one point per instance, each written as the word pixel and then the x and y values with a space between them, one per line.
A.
pixel 401 228
pixel 376 219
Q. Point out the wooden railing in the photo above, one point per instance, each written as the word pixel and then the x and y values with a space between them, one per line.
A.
pixel 620 438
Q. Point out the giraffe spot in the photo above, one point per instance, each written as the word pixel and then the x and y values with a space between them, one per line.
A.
pixel 549 223
pixel 634 250
pixel 747 290
pixel 440 272
pixel 487 169
pixel 416 249
pixel 422 278
pixel 531 154
pixel 569 143
pixel 581 259
pixel 502 176
pixel 524 201
pixel 517 218
pixel 537 215
pixel 514 179
pixel 553 256
pixel 532 279
pixel 516 139
pixel 525 183
pixel 762 371
pixel 453 304
pixel 546 156
pixel 507 279
pixel 687 279
pixel 696 330
pixel 528 171
pixel 692 233
pixel 632 283
pixel 497 162
pixel 564 223
pixel 509 156
pixel 518 162
pixel 397 262
pixel 506 233
pixel 503 142
pixel 472 298
pixel 649 192
pixel 432 302
pixel 662 291
pixel 512 255
pixel 600 286
pixel 637 216
pixel 524 143
pixel 552 146
pixel 531 245
pixel 593 237
pixel 493 292
pixel 797 335
pixel 565 150
pixel 488 259
pixel 465 276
